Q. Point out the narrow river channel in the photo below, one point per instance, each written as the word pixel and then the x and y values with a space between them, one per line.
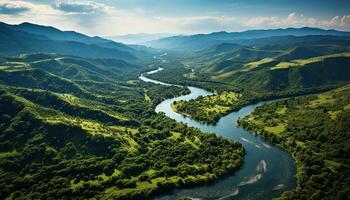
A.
pixel 267 171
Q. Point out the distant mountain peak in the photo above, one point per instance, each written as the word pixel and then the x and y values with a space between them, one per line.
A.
pixel 32 38
pixel 199 42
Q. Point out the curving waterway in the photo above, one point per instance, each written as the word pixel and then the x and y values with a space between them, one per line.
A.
pixel 267 171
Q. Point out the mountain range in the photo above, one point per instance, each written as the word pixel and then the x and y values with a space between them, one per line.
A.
pixel 33 38
pixel 138 38
pixel 201 41
pixel 76 122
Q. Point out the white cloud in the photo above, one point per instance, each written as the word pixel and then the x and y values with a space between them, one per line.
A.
pixel 77 7
pixel 197 24
pixel 13 7
pixel 299 20
pixel 31 8
pixel 74 15
pixel 100 19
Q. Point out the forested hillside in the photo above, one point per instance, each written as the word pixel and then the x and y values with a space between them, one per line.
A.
pixel 29 38
pixel 315 129
pixel 257 74
pixel 77 121
pixel 76 128
pixel 201 41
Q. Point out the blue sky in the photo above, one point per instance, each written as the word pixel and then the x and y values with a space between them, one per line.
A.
pixel 117 17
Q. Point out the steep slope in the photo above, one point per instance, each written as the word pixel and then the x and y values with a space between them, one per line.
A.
pixel 56 34
pixel 302 52
pixel 77 128
pixel 219 49
pixel 297 75
pixel 17 41
pixel 236 59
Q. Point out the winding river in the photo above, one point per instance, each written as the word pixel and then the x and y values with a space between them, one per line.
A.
pixel 267 171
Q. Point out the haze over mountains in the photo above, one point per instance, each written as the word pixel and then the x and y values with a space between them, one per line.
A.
pixel 77 122
pixel 32 38
pixel 200 41
pixel 138 38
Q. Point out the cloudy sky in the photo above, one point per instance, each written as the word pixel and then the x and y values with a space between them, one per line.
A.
pixel 118 17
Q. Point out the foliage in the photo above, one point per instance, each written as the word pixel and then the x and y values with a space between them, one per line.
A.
pixel 209 109
pixel 87 129
pixel 315 129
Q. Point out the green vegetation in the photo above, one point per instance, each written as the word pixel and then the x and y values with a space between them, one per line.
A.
pixel 85 128
pixel 315 129
pixel 257 74
pixel 302 62
pixel 77 128
pixel 177 73
pixel 209 109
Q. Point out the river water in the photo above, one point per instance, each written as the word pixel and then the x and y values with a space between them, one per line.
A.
pixel 267 171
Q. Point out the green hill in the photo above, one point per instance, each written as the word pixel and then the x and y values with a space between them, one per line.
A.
pixel 295 75
pixel 258 74
pixel 76 128
pixel 14 40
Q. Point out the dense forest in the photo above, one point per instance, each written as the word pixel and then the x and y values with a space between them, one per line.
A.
pixel 77 122
pixel 209 109
pixel 299 70
pixel 315 129
pixel 94 133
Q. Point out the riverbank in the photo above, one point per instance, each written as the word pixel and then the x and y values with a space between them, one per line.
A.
pixel 174 108
pixel 209 109
pixel 208 168
pixel 318 143
pixel 250 180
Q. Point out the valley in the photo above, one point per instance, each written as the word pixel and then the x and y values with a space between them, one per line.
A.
pixel 258 114
pixel 267 171
pixel 94 134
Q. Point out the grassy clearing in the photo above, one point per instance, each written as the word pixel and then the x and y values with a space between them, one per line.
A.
pixel 281 111
pixel 276 129
pixel 252 65
pixel 301 62
pixel 332 165
pixel 147 98
pixel 133 131
pixel 325 98
pixel 113 192
pixel 9 154
pixel 175 135
pixel 216 109
pixel 191 75
pixel 334 114
pixel 89 126
pixel 223 76
pixel 132 82
pixel 96 128
pixel 76 101
pixel 194 144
